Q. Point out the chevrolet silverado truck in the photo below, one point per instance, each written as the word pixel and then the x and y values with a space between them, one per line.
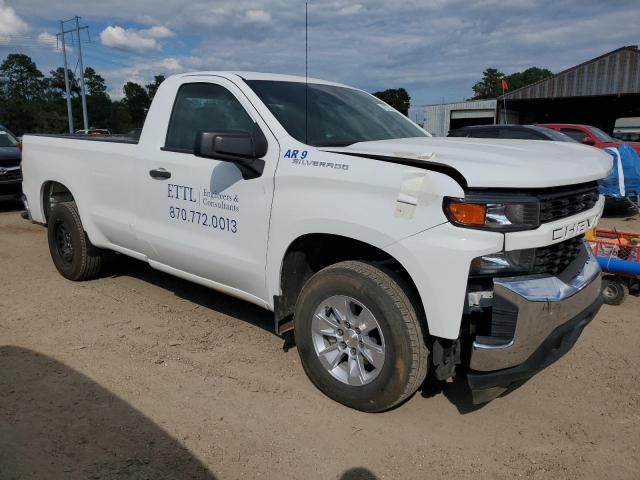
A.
pixel 384 253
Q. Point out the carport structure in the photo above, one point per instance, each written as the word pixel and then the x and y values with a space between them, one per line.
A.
pixel 596 92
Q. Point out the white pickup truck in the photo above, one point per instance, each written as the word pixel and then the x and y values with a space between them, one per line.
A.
pixel 388 253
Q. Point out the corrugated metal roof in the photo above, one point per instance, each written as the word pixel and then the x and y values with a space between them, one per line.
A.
pixel 466 104
pixel 613 73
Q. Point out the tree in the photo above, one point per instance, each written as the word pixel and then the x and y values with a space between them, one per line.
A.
pixel 489 86
pixel 152 88
pixel 22 81
pixel 94 83
pixel 529 76
pixel 30 102
pixel 137 100
pixel 56 82
pixel 398 98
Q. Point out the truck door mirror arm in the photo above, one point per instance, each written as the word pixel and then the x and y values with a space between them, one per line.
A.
pixel 241 147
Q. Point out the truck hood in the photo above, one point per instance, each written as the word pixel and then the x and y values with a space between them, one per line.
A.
pixel 494 163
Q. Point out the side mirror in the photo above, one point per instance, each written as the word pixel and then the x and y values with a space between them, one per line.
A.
pixel 242 147
pixel 588 141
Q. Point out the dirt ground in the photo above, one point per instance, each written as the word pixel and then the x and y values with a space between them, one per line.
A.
pixel 140 375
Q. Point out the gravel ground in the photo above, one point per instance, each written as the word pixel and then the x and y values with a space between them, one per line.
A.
pixel 141 375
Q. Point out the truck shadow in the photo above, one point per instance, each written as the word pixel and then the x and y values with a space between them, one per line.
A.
pixel 358 473
pixel 121 265
pixel 458 392
pixel 56 423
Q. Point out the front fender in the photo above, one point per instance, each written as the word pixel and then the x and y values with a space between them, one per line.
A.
pixel 438 262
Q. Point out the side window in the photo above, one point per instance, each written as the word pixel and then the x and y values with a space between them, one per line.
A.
pixel 485 133
pixel 519 134
pixel 203 106
pixel 573 133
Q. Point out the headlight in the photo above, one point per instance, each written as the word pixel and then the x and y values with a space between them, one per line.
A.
pixel 517 262
pixel 508 214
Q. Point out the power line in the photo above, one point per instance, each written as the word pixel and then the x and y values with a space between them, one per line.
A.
pixel 62 37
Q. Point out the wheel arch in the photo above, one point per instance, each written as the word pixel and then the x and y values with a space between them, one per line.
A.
pixel 311 252
pixel 53 192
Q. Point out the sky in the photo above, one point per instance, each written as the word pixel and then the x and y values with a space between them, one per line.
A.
pixel 436 49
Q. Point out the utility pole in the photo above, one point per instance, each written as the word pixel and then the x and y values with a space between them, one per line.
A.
pixel 66 79
pixel 82 90
pixel 62 33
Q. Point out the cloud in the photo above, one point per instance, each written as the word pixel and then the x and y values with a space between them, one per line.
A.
pixel 350 9
pixel 434 49
pixel 159 32
pixel 135 40
pixel 48 40
pixel 257 16
pixel 10 23
pixel 142 72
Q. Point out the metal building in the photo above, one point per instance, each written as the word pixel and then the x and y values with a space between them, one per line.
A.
pixel 596 92
pixel 440 118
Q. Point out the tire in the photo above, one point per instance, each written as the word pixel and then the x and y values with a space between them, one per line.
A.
pixel 614 290
pixel 71 251
pixel 339 300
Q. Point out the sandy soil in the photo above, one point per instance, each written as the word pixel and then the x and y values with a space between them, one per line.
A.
pixel 140 375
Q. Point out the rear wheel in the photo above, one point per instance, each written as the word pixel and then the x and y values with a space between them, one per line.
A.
pixel 614 290
pixel 359 337
pixel 72 253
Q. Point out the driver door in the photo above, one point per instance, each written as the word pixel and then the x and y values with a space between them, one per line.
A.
pixel 198 217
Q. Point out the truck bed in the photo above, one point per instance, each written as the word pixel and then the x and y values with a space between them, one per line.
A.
pixel 92 138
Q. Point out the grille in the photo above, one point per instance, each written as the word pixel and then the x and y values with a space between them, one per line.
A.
pixel 11 175
pixel 13 162
pixel 565 202
pixel 556 258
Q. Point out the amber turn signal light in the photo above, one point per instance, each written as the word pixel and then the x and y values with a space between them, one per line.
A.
pixel 467 213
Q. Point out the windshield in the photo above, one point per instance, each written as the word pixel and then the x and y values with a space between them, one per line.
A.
pixel 603 137
pixel 337 116
pixel 7 139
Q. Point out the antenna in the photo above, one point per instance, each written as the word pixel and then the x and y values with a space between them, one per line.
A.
pixel 306 73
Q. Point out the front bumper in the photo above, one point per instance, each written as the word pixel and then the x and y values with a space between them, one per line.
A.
pixel 549 313
pixel 10 189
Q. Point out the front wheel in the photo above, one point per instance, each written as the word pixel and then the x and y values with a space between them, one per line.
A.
pixel 359 337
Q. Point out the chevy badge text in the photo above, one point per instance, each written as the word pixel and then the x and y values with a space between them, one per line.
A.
pixel 574 229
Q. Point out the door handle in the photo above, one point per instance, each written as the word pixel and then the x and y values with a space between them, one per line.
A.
pixel 159 174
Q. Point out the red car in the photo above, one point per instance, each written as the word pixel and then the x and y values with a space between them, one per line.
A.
pixel 589 135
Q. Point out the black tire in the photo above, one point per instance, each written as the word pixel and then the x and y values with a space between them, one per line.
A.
pixel 405 351
pixel 71 251
pixel 614 290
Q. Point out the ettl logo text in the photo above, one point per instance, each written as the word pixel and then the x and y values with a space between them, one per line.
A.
pixel 569 231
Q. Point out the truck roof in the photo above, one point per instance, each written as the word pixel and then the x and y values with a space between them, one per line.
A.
pixel 263 76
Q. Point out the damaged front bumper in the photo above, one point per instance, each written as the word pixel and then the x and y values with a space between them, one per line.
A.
pixel 549 314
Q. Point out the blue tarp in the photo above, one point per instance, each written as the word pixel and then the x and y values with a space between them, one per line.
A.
pixel 624 180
